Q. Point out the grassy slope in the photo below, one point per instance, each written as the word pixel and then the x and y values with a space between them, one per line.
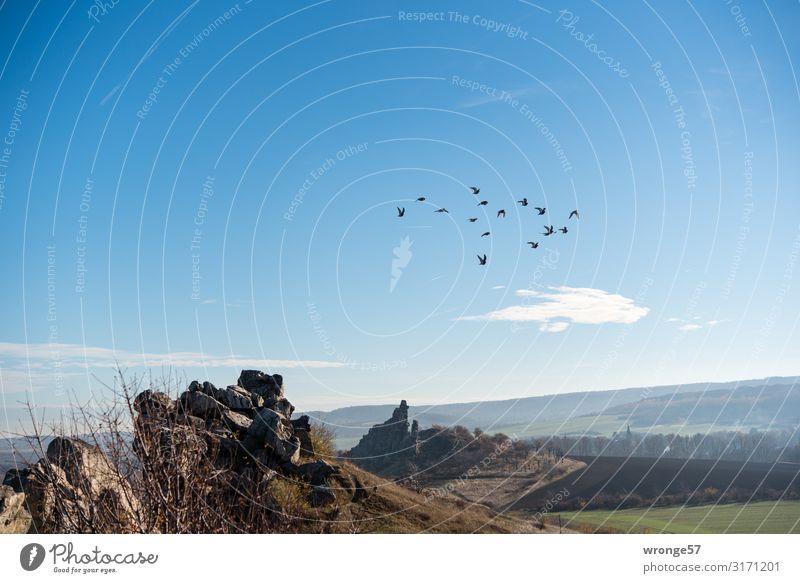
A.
pixel 395 509
pixel 758 517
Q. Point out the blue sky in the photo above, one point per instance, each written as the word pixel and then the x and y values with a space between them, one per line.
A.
pixel 202 187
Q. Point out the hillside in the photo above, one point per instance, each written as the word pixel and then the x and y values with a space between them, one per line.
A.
pixel 775 406
pixel 608 482
pixel 397 509
pixel 530 416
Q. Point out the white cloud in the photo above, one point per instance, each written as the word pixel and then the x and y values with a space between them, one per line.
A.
pixel 557 307
pixel 498 287
pixel 689 327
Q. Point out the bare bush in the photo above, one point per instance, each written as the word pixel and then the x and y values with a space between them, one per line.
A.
pixel 157 473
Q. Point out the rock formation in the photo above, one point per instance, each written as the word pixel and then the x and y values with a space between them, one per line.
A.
pixel 14 518
pixel 388 445
pixel 74 482
pixel 243 432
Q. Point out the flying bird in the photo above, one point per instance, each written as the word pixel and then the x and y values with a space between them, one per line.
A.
pixel 421 199
pixel 401 211
pixel 563 229
pixel 482 259
pixel 486 234
pixel 533 244
pixel 574 214
pixel 540 209
pixel 548 230
pixel 483 203
pixel 442 210
pixel 475 189
pixel 472 220
pixel 501 213
pixel 523 202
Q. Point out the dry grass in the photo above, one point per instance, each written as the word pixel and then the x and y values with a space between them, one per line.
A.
pixel 394 509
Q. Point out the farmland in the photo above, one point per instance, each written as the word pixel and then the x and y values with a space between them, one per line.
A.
pixel 638 481
pixel 758 517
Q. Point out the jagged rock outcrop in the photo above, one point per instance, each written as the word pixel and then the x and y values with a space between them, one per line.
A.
pixel 243 432
pixel 389 444
pixel 14 516
pixel 74 483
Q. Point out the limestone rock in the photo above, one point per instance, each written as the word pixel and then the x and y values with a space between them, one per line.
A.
pixel 387 445
pixel 282 406
pixel 152 403
pixel 236 421
pixel 233 396
pixel 74 479
pixel 270 387
pixel 201 405
pixel 190 421
pixel 272 430
pixel 302 429
pixel 14 516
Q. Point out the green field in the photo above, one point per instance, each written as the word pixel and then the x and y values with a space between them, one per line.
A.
pixel 757 517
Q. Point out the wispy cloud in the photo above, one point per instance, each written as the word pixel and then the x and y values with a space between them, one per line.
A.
pixel 37 356
pixel 689 327
pixel 694 324
pixel 558 307
pixel 110 94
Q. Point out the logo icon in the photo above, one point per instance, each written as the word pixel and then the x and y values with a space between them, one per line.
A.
pixel 401 259
pixel 31 556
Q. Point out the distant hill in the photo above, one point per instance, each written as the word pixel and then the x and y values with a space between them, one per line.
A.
pixel 538 416
pixel 774 406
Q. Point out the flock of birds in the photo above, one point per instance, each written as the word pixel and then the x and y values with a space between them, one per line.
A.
pixel 501 214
